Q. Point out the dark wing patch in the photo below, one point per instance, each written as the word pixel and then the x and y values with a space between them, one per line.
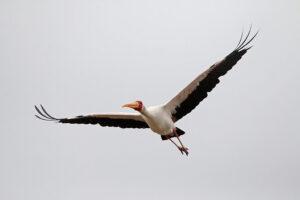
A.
pixel 93 119
pixel 122 123
pixel 212 79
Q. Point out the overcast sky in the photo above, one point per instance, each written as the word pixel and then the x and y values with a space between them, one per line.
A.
pixel 92 56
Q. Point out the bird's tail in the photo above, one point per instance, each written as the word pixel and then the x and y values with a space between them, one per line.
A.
pixel 179 132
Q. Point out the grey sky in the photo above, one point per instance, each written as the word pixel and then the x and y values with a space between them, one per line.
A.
pixel 80 57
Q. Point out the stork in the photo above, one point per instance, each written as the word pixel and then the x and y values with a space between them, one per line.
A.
pixel 161 119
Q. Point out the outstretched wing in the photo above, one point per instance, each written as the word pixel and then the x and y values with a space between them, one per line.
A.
pixel 114 120
pixel 186 100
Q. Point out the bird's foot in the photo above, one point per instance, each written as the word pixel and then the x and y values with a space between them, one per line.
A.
pixel 183 149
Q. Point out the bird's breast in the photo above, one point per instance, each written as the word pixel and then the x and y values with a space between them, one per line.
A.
pixel 159 121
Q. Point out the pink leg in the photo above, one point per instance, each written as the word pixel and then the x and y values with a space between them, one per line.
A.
pixel 182 147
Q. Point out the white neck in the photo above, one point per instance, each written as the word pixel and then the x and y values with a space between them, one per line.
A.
pixel 144 111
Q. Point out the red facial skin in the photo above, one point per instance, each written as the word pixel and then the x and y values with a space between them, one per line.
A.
pixel 140 106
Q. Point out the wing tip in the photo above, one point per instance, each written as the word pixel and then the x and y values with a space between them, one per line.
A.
pixel 242 44
pixel 44 115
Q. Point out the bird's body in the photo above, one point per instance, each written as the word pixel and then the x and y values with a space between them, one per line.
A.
pixel 158 119
pixel 161 119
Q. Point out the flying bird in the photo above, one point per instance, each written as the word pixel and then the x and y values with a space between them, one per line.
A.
pixel 161 119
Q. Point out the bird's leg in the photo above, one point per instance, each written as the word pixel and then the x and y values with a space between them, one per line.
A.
pixel 182 148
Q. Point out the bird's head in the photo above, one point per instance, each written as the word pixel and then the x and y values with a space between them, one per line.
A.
pixel 136 105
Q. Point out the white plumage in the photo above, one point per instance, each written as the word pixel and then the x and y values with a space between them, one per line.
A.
pixel 158 119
